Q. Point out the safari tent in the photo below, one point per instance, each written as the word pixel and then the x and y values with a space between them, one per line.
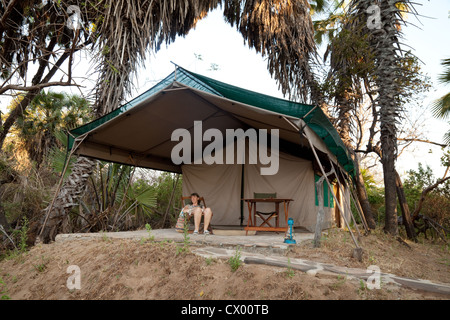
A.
pixel 140 133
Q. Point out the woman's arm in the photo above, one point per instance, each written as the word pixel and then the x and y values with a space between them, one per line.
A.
pixel 187 209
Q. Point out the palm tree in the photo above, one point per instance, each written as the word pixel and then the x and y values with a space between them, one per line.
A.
pixel 441 107
pixel 384 41
pixel 48 113
pixel 126 29
pixel 350 65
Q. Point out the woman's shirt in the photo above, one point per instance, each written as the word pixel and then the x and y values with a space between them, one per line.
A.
pixel 190 208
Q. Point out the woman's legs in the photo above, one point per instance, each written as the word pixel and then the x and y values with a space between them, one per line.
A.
pixel 208 215
pixel 198 218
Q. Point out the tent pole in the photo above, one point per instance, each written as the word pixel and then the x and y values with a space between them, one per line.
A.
pixel 353 219
pixel 358 206
pixel 332 192
pixel 329 186
pixel 357 252
pixel 176 67
pixel 321 212
pixel 170 201
pixel 242 196
pixel 349 203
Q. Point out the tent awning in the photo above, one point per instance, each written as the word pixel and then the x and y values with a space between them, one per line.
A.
pixel 139 132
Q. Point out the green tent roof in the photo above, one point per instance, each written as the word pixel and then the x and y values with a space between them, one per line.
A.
pixel 315 119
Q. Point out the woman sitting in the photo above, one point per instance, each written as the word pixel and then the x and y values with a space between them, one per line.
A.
pixel 197 210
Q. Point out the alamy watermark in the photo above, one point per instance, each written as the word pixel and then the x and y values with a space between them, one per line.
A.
pixel 374 280
pixel 235 140
pixel 74 280
pixel 374 18
pixel 74 22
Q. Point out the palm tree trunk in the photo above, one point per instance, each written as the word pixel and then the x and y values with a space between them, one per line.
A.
pixel 67 197
pixel 388 107
pixel 386 48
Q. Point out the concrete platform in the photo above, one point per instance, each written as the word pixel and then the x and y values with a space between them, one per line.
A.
pixel 227 238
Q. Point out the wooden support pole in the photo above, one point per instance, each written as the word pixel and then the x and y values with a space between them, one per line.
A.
pixel 170 201
pixel 358 207
pixel 357 252
pixel 332 192
pixel 320 213
pixel 348 203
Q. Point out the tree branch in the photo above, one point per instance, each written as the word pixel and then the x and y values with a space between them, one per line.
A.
pixel 422 140
pixel 36 87
pixel 27 99
pixel 6 14
pixel 426 191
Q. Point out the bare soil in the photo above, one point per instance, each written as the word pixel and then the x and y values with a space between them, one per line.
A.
pixel 130 269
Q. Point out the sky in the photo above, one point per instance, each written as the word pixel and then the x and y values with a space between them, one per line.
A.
pixel 430 39
pixel 220 44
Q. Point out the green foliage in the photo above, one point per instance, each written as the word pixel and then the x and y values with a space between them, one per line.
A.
pixel 186 242
pixel 3 290
pixel 235 261
pixel 42 265
pixel 441 107
pixel 23 236
pixel 290 272
pixel 164 184
pixel 117 193
pixel 48 114
pixel 114 200
pixel 375 194
pixel 209 261
pixel 148 227
pixel 419 179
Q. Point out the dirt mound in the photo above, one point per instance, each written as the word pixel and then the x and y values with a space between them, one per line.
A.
pixel 130 269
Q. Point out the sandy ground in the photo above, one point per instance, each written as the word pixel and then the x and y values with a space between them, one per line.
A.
pixel 131 269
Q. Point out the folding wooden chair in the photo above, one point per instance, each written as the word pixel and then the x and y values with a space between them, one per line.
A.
pixel 266 216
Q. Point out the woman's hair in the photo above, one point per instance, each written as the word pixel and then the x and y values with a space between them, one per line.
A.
pixel 195 194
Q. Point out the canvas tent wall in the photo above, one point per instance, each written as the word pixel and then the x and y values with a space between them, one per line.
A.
pixel 224 185
pixel 139 133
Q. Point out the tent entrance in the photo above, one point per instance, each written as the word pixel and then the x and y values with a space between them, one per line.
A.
pixel 141 133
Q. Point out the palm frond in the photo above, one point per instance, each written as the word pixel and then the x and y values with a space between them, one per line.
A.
pixel 440 108
pixel 283 32
pixel 444 78
pixel 447 138
pixel 128 30
pixel 147 198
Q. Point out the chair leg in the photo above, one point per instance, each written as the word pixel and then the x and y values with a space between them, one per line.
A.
pixel 265 221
